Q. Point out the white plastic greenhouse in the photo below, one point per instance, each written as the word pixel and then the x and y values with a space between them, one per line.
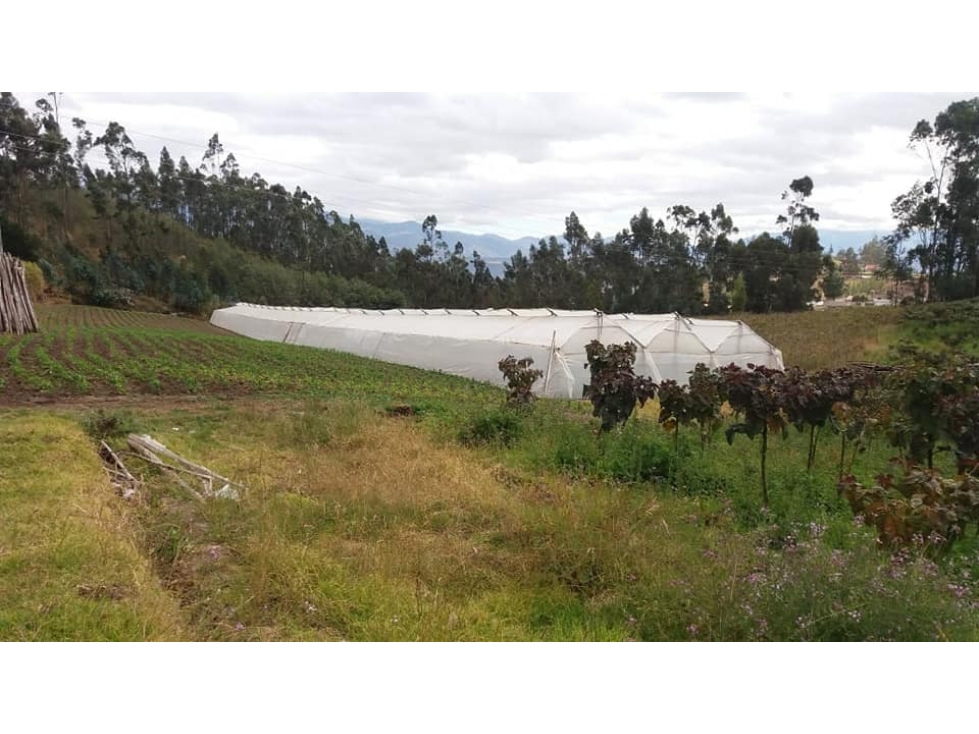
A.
pixel 471 343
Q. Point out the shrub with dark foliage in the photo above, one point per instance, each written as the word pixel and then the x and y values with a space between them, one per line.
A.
pixel 615 388
pixel 520 379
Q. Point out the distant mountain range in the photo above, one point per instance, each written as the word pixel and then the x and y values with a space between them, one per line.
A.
pixel 495 249
pixel 490 247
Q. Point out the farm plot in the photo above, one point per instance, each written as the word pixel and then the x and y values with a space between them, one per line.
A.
pixel 84 351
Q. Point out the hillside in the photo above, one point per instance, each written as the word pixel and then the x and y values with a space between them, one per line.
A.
pixel 166 266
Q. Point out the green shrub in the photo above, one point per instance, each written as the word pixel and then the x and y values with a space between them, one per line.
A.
pixel 635 455
pixel 111 298
pixel 702 479
pixel 501 426
pixel 574 449
pixel 18 242
pixel 35 280
pixel 102 425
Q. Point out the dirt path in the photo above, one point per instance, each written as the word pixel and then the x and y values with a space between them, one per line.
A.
pixel 142 401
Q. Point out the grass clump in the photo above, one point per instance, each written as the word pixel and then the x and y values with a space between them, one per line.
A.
pixel 323 423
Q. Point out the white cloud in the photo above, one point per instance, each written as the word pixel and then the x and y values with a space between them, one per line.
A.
pixel 517 164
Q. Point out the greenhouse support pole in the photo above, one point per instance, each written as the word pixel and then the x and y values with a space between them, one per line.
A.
pixel 550 361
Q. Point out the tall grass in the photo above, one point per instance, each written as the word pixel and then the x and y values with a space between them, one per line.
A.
pixel 378 530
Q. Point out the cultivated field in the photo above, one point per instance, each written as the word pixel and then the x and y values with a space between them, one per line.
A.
pixel 85 351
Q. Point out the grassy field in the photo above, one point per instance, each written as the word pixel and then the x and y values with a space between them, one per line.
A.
pixel 458 521
pixel 71 565
pixel 818 339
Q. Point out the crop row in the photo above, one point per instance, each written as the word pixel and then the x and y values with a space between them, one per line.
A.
pixel 88 351
pixel 61 316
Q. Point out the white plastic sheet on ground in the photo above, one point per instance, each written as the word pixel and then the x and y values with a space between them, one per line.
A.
pixel 471 343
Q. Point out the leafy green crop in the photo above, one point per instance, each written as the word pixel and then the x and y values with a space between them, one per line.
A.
pixel 93 351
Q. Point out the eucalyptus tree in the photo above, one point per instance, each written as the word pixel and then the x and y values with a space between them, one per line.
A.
pixel 939 217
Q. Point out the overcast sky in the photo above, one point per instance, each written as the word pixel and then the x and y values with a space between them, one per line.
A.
pixel 517 164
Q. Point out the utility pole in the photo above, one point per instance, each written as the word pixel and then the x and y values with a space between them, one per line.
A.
pixel 55 98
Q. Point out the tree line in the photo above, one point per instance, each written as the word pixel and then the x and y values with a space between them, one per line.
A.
pixel 197 235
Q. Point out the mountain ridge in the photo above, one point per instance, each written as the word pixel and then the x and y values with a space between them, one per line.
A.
pixel 491 247
pixel 496 248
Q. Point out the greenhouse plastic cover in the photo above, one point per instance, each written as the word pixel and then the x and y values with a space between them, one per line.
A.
pixel 470 343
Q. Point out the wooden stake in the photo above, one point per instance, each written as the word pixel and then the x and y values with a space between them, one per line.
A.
pixel 126 482
pixel 16 312
pixel 152 450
